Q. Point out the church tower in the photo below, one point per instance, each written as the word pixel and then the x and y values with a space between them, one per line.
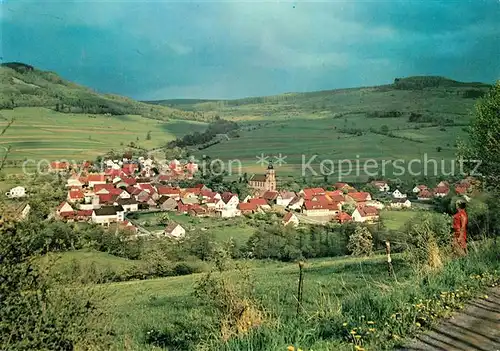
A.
pixel 270 178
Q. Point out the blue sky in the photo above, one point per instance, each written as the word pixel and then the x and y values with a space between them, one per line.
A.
pixel 231 49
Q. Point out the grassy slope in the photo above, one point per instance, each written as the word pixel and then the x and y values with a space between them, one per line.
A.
pixel 41 133
pixel 309 124
pixel 47 89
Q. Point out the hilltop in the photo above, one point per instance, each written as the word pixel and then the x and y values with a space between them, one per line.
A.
pixel 23 85
pixel 402 91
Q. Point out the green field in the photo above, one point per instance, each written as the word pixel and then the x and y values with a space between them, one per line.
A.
pixel 39 133
pixel 395 219
pixel 222 229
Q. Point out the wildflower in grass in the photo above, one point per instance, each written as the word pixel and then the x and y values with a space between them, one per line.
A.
pixel 358 348
pixel 371 330
pixel 344 324
pixel 291 348
pixel 418 324
pixel 370 322
pixel 353 332
pixel 357 336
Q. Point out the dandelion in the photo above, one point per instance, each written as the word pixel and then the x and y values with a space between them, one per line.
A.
pixel 418 324
pixel 344 324
pixel 485 296
pixel 291 348
pixel 358 348
pixel 357 336
pixel 371 330
pixel 370 322
pixel 353 332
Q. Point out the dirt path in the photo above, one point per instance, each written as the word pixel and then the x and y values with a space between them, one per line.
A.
pixel 477 327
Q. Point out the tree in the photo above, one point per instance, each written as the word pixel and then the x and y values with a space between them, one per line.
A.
pixel 484 139
pixel 361 242
pixel 384 129
pixel 148 136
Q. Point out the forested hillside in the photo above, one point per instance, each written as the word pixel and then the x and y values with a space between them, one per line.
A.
pixel 25 86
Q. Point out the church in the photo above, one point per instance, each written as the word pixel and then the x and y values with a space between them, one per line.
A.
pixel 264 182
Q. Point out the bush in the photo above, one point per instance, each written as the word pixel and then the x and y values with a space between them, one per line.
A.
pixel 361 242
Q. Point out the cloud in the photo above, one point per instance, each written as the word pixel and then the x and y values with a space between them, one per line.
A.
pixel 234 48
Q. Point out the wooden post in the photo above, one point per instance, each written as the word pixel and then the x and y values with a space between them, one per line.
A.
pixel 389 260
pixel 299 293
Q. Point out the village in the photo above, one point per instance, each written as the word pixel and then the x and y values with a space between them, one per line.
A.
pixel 124 186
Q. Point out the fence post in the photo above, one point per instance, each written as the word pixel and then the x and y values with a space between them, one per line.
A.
pixel 299 293
pixel 389 260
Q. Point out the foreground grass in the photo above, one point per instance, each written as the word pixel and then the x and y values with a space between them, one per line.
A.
pixel 347 302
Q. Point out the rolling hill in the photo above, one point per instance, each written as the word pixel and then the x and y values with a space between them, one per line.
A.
pixel 25 86
pixel 412 119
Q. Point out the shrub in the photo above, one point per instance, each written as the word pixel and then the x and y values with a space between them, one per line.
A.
pixel 361 242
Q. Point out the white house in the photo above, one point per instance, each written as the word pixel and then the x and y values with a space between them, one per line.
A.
pixel 290 219
pixel 108 214
pixel 374 203
pixel 365 214
pixel 75 181
pixel 129 205
pixel 398 194
pixel 400 203
pixel 174 230
pixel 419 188
pixel 16 192
pixel 296 203
pixel 381 185
pixel 285 198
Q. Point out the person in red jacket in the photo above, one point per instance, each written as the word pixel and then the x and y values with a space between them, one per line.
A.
pixel 460 221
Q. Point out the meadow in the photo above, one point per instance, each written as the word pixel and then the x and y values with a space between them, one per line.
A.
pixel 40 133
pixel 342 297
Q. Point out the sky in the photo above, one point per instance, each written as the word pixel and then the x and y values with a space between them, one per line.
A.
pixel 231 49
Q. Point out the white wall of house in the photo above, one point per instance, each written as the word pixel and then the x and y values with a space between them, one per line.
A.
pixel 230 212
pixel 131 207
pixel 398 195
pixel 16 192
pixel 74 182
pixel 178 232
pixel 320 212
pixel 283 202
pixel 232 203
pixel 94 183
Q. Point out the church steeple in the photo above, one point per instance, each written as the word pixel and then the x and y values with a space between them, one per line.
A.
pixel 270 177
pixel 270 165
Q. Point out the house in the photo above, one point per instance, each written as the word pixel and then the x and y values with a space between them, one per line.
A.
pixel 290 219
pixel 261 203
pixel 441 191
pixel 398 194
pixel 461 189
pixel 425 195
pixel 174 230
pixel 358 196
pixel 248 207
pixel 104 189
pixel 264 182
pixel 166 203
pixel 94 179
pixel 365 214
pixel 57 166
pixel 400 203
pixel 284 198
pixel 169 191
pixel 344 187
pixel 64 209
pixel 75 195
pixel 319 208
pixel 343 217
pixel 419 188
pixel 374 203
pixel 296 203
pixel 76 181
pixel 16 192
pixel 107 199
pixel 108 214
pixel 443 184
pixel 381 185
pixel 15 211
pixel 129 205
pixel 198 211
pixel 270 196
pixel 309 193
pixel 83 215
pixel 230 200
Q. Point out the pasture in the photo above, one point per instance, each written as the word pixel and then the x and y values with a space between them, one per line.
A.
pixel 301 140
pixel 40 133
pixel 395 219
pixel 223 229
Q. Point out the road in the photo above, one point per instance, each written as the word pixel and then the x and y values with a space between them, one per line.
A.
pixel 477 327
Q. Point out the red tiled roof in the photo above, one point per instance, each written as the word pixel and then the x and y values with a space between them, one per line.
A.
pixel 340 185
pixel 337 198
pixel 108 187
pixel 287 217
pixel 367 211
pixel 96 178
pixel 258 202
pixel 441 190
pixel 310 192
pixel 247 206
pixel 76 194
pixel 67 214
pixel 226 196
pixel 461 190
pixel 270 195
pixel 343 217
pixel 425 194
pixel 129 180
pixel 165 190
pixel 318 205
pixel 59 165
pixel 147 187
pixel 359 196
pixel 107 198
pixel 335 193
pixel 84 213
